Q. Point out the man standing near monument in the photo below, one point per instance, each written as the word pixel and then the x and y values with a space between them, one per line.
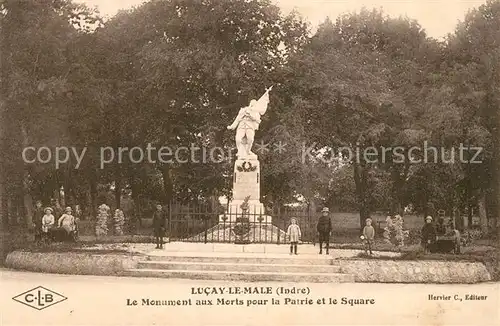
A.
pixel 37 220
pixel 324 228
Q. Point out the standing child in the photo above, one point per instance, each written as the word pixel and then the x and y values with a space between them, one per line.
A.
pixel 428 234
pixel 159 226
pixel 368 235
pixel 294 235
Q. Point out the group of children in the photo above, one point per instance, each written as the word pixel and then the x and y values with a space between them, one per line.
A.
pixel 44 222
pixel 324 230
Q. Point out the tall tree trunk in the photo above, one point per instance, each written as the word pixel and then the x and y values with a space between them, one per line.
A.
pixel 168 186
pixel 5 204
pixel 87 210
pixel 118 185
pixel 118 194
pixel 3 160
pixel 135 198
pixel 93 194
pixel 28 204
pixel 19 195
pixel 398 174
pixel 360 180
pixel 496 186
pixel 5 119
pixel 68 185
pixel 12 209
pixel 24 198
pixel 483 217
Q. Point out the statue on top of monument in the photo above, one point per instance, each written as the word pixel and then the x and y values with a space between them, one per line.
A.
pixel 247 122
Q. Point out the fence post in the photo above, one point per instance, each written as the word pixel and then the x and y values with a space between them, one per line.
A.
pixel 205 226
pixel 205 222
pixel 279 220
pixel 170 221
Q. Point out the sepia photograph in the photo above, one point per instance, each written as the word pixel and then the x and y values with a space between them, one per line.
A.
pixel 249 162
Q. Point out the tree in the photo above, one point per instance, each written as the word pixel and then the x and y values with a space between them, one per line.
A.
pixel 354 86
pixel 474 55
pixel 34 88
pixel 183 68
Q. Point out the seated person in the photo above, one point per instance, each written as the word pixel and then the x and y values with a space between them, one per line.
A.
pixel 48 222
pixel 67 222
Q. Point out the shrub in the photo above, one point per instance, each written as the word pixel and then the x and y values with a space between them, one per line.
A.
pixel 102 220
pixel 119 221
pixel 393 232
pixel 469 236
pixel 414 236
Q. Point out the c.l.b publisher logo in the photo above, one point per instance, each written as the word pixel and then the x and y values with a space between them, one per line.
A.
pixel 39 298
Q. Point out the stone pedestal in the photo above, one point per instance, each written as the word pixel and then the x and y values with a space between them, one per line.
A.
pixel 246 183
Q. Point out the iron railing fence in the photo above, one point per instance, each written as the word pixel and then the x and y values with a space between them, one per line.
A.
pixel 204 223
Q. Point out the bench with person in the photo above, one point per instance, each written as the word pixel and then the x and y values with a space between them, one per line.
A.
pixel 441 238
pixel 447 238
pixel 66 229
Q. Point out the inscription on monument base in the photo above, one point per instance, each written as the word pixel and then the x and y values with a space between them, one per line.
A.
pixel 246 181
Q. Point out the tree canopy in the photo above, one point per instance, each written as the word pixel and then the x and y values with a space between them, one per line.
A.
pixel 176 72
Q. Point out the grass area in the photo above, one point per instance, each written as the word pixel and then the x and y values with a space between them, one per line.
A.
pixel 19 239
pixel 80 247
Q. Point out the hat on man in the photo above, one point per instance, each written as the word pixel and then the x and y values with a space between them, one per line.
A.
pixel 48 209
pixel 68 209
pixel 428 218
pixel 325 209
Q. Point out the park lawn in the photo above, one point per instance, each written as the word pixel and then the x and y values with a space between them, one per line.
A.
pixel 351 221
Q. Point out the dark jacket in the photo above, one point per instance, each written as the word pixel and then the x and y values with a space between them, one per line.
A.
pixel 158 220
pixel 440 228
pixel 324 224
pixel 37 217
pixel 57 211
pixel 428 233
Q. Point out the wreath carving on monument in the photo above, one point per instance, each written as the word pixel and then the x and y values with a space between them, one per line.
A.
pixel 246 167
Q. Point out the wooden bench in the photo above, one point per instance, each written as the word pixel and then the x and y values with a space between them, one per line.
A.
pixel 60 235
pixel 446 244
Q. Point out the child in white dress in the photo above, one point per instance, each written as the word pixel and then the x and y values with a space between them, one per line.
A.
pixel 294 235
pixel 48 222
pixel 67 221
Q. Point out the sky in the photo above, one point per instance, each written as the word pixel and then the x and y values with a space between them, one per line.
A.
pixel 437 17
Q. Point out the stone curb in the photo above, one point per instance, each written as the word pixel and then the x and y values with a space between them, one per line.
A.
pixel 424 271
pixel 72 263
pixel 368 271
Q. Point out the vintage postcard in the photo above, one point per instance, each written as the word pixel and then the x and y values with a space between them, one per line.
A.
pixel 249 162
